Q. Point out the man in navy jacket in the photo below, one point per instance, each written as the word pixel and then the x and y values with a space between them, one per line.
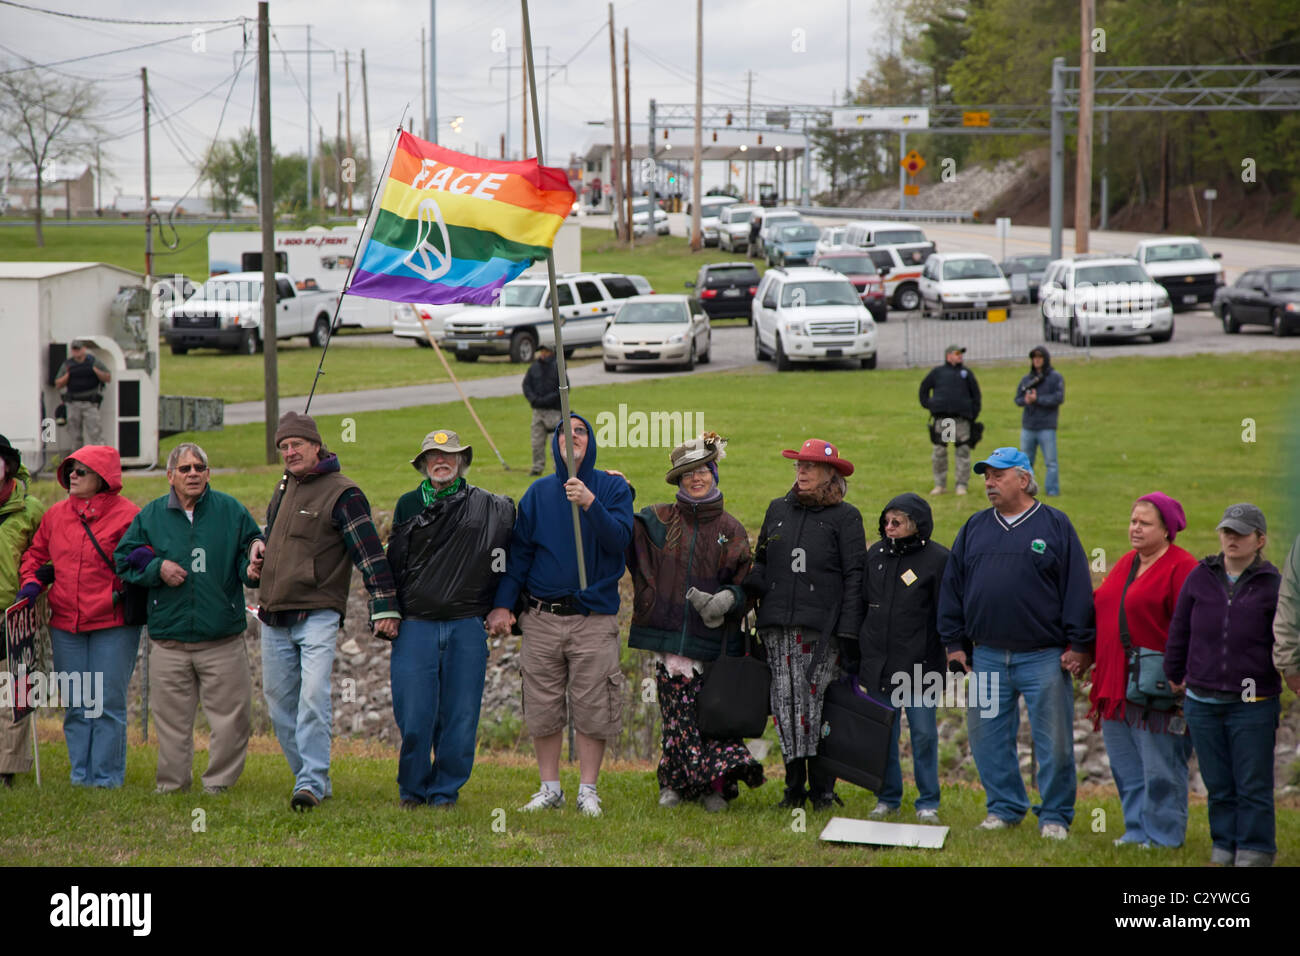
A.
pixel 1017 586
pixel 570 643
pixel 1041 394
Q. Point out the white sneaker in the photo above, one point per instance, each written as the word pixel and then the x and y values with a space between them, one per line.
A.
pixel 996 823
pixel 961 489
pixel 668 797
pixel 937 490
pixel 589 803
pixel 880 811
pixel 1053 831
pixel 544 799
pixel 927 816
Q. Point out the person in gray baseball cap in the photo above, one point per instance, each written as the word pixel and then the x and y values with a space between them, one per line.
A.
pixel 1220 653
pixel 447 551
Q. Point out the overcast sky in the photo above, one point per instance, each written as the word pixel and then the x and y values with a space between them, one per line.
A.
pixel 797 53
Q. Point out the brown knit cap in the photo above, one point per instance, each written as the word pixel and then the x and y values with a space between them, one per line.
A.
pixel 294 425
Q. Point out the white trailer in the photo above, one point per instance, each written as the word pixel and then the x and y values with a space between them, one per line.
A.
pixel 43 307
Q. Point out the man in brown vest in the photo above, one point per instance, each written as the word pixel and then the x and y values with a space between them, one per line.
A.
pixel 317 526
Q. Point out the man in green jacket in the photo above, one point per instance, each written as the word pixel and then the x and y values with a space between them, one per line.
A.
pixel 191 549
pixel 20 513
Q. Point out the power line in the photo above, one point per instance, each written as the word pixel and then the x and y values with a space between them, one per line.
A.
pixel 92 56
pixel 139 23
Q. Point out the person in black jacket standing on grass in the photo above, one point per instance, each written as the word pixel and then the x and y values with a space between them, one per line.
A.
pixel 900 644
pixel 447 551
pixel 952 396
pixel 542 389
pixel 807 578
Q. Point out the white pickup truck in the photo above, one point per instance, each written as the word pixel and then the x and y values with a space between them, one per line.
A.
pixel 226 313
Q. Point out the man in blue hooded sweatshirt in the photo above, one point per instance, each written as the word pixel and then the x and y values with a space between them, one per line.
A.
pixel 570 643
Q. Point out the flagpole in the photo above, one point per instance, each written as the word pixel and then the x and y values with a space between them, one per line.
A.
pixel 356 257
pixel 555 310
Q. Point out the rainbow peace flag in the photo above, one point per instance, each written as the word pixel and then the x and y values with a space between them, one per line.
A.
pixel 456 228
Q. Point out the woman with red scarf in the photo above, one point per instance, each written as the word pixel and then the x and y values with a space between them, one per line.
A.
pixel 1148 748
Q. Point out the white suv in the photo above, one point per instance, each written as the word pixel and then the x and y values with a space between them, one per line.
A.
pixel 964 285
pixel 1100 295
pixel 1181 264
pixel 809 315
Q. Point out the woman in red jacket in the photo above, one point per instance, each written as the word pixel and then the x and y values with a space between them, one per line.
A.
pixel 87 625
pixel 1148 748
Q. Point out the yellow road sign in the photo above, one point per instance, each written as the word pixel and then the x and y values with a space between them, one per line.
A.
pixel 980 118
pixel 913 162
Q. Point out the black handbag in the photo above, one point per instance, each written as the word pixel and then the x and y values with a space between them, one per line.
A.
pixel 856 732
pixel 735 695
pixel 133 598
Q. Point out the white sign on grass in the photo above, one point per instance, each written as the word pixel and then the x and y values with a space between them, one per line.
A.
pixel 847 830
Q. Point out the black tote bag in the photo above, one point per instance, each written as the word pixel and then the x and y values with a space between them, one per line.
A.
pixel 735 696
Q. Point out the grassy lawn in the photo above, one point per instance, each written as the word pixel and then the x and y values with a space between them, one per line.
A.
pixel 1132 425
pixel 362 825
pixel 120 245
pixel 239 378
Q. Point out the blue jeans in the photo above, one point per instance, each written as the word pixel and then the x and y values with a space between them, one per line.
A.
pixel 1049 697
pixel 1044 438
pixel 437 670
pixel 296 665
pixel 923 727
pixel 1234 746
pixel 1150 771
pixel 97 744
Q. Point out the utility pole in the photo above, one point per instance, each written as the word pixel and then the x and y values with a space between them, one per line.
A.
pixel 347 99
pixel 424 89
pixel 505 148
pixel 99 183
pixel 697 238
pixel 270 372
pixel 338 155
pixel 627 149
pixel 433 73
pixel 1083 161
pixel 615 175
pixel 309 117
pixel 365 106
pixel 749 166
pixel 148 186
pixel 320 195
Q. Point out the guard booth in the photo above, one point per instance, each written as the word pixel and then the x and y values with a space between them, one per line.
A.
pixel 44 306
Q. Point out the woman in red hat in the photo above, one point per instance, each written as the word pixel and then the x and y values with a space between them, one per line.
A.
pixel 807 579
pixel 87 621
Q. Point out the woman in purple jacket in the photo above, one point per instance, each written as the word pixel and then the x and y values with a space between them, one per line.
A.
pixel 1220 650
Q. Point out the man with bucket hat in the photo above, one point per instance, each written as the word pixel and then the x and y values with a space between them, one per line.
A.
pixel 447 553
pixel 1017 586
pixel 318 526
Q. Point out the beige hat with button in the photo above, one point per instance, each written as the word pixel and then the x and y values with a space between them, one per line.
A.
pixel 445 441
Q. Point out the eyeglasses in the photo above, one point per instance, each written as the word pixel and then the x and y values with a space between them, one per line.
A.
pixel 80 472
pixel 895 522
pixel 186 469
pixel 580 431
pixel 701 472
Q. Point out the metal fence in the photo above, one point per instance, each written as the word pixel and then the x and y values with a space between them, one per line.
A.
pixel 902 215
pixel 925 339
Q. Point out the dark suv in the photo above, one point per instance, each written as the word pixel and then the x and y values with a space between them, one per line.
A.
pixel 725 290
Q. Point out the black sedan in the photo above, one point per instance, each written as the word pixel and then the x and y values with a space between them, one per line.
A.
pixel 1268 296
pixel 724 290
pixel 1030 266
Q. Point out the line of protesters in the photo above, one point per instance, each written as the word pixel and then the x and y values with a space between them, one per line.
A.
pixel 1184 651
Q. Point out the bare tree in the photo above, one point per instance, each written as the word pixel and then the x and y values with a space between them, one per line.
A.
pixel 46 117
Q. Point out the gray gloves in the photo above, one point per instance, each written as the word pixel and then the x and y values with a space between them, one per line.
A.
pixel 712 607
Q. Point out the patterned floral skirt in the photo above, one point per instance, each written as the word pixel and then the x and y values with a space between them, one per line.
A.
pixel 796 693
pixel 690 763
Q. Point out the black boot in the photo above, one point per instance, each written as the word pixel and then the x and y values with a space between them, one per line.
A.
pixel 822 787
pixel 7 779
pixel 796 773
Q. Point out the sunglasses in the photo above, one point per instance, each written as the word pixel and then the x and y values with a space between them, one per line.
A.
pixel 579 431
pixel 895 522
pixel 80 472
pixel 186 469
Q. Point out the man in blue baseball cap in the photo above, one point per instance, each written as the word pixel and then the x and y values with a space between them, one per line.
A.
pixel 1017 586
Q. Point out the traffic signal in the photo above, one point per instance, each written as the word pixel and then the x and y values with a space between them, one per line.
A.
pixel 728 117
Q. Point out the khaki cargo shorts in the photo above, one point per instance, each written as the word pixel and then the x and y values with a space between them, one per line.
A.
pixel 578 653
